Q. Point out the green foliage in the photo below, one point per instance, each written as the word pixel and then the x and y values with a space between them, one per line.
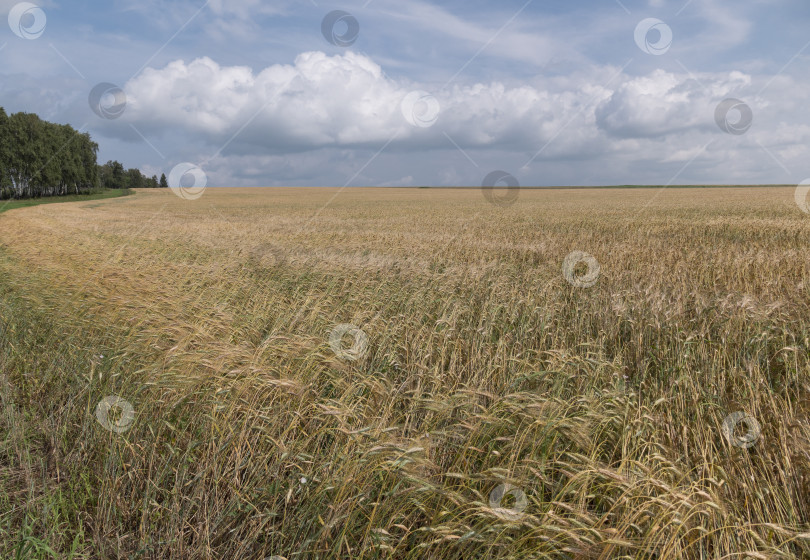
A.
pixel 5 180
pixel 114 176
pixel 38 158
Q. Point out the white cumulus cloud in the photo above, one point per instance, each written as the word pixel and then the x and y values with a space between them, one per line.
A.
pixel 347 102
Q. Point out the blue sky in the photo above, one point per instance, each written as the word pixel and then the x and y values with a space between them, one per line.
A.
pixel 552 92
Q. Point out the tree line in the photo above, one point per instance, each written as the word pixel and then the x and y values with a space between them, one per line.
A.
pixel 113 176
pixel 39 158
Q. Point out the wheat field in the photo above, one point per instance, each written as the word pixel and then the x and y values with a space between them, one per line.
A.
pixel 408 374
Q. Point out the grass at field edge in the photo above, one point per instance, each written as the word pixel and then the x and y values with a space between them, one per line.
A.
pixel 25 203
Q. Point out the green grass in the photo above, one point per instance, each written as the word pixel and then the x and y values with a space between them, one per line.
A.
pixel 25 203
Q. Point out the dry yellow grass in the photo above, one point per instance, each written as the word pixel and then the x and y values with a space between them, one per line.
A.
pixel 600 408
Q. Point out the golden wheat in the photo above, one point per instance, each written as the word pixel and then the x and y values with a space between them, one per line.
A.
pixel 408 374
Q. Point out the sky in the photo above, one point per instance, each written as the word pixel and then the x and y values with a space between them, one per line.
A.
pixel 419 92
